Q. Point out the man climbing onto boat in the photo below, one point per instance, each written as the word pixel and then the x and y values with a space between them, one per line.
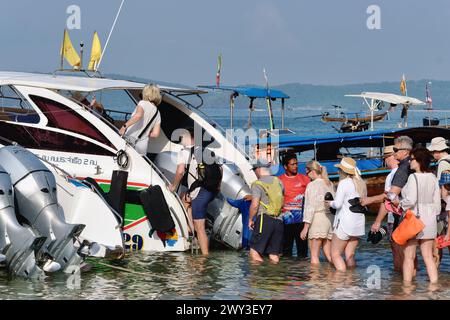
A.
pixel 268 227
pixel 201 189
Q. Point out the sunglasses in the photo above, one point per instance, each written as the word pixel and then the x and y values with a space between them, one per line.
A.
pixel 398 149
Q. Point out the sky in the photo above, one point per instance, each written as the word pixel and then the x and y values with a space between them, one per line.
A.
pixel 296 41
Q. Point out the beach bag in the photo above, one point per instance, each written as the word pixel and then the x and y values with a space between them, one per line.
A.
pixel 410 226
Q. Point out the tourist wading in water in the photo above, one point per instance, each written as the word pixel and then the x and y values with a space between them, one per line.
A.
pixel 267 202
pixel 348 225
pixel 318 218
pixel 294 190
pixel 440 151
pixel 421 194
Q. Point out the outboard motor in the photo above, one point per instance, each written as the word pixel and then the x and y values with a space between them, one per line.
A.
pixel 226 220
pixel 17 244
pixel 35 193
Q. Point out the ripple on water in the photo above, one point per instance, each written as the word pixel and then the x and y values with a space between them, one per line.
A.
pixel 230 275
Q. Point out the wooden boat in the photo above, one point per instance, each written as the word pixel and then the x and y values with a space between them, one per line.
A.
pixel 357 118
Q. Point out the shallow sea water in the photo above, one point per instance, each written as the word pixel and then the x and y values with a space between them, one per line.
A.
pixel 228 274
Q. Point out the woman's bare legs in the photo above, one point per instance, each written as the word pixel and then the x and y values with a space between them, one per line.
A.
pixel 426 248
pixel 350 250
pixel 326 243
pixel 315 245
pixel 409 251
pixel 337 249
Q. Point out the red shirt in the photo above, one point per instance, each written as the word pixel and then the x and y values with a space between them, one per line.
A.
pixel 294 190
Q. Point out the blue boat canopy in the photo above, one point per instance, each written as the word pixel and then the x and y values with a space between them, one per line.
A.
pixel 252 92
pixel 290 141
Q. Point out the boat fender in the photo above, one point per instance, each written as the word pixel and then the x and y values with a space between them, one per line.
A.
pixel 157 211
pixel 122 159
pixel 117 193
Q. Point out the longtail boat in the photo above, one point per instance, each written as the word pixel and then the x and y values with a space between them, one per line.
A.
pixel 356 118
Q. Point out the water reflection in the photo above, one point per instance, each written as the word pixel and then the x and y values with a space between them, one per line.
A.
pixel 231 275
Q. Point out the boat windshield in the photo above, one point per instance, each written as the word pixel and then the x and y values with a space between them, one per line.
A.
pixel 16 108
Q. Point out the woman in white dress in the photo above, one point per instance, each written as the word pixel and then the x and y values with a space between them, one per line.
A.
pixel 317 217
pixel 137 128
pixel 348 226
pixel 421 194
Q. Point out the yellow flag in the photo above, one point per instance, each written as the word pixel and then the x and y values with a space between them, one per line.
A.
pixel 403 85
pixel 69 52
pixel 96 52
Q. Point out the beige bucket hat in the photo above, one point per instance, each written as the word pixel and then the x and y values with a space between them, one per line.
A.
pixel 438 144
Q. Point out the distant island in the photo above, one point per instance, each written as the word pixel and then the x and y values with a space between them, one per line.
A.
pixel 310 95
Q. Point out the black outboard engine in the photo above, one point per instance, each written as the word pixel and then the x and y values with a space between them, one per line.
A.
pixel 17 244
pixel 36 201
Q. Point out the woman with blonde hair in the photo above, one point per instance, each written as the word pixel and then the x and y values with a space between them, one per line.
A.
pixel 145 122
pixel 317 217
pixel 348 226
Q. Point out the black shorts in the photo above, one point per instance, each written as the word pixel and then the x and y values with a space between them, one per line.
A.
pixel 270 241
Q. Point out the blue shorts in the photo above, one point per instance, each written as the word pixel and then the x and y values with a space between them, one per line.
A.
pixel 200 204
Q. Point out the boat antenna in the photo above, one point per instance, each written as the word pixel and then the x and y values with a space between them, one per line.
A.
pixel 109 36
pixel 269 103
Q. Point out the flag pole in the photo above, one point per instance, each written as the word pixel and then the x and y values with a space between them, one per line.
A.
pixel 109 36
pixel 62 50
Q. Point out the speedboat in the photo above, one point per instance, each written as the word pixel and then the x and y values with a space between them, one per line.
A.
pixel 120 98
pixel 37 113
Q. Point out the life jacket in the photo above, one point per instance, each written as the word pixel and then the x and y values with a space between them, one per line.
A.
pixel 274 192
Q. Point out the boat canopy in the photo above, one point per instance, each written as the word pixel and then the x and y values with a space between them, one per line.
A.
pixel 251 92
pixel 388 97
pixel 373 138
pixel 77 83
pixel 379 138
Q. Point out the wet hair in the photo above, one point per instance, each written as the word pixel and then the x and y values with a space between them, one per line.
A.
pixel 404 142
pixel 152 93
pixel 423 158
pixel 319 169
pixel 288 157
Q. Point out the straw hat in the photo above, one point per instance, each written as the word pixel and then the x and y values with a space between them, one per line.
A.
pixel 388 151
pixel 438 144
pixel 348 165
